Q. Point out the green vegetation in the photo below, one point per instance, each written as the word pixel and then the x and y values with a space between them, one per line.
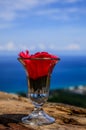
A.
pixel 62 96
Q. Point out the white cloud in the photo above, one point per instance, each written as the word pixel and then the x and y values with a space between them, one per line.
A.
pixel 66 13
pixel 8 47
pixel 72 47
pixel 57 11
pixel 69 47
pixel 9 9
pixel 40 47
pixel 72 1
pixel 48 11
pixel 5 25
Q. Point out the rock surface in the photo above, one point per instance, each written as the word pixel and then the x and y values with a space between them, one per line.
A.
pixel 13 108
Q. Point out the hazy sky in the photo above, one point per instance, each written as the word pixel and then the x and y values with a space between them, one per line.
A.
pixel 40 25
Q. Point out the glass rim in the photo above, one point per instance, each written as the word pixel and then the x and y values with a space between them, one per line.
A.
pixel 38 58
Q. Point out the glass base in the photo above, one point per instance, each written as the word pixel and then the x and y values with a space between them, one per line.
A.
pixel 38 118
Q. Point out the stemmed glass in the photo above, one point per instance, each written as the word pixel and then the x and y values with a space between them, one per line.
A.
pixel 38 90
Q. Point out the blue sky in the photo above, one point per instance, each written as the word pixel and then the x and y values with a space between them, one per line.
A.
pixel 43 25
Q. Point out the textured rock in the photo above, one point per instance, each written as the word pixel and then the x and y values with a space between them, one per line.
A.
pixel 13 108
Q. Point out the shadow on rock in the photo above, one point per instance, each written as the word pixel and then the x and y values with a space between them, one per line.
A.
pixel 5 119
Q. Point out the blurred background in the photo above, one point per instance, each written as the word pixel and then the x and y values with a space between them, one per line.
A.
pixel 55 26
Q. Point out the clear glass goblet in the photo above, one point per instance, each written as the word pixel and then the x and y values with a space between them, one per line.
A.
pixel 38 90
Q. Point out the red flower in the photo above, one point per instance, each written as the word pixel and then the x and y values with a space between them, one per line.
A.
pixel 38 64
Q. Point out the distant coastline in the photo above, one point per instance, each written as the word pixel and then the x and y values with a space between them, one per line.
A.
pixel 81 89
pixel 77 89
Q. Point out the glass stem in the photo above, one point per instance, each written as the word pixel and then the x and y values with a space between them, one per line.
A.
pixel 38 109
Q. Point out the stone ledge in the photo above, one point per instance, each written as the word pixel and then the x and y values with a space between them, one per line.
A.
pixel 14 107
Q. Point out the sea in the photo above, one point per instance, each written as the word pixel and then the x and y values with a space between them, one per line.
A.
pixel 69 71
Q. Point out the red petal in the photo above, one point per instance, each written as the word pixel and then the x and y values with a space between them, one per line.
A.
pixel 37 68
